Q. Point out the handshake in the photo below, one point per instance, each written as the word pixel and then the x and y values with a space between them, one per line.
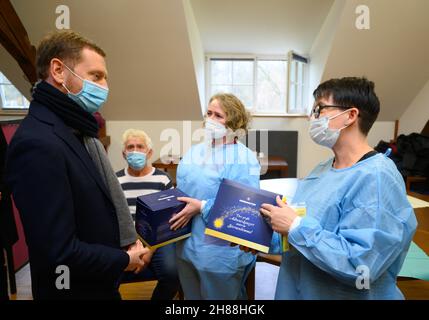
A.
pixel 139 257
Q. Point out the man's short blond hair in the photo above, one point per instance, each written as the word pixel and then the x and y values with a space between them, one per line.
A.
pixel 135 133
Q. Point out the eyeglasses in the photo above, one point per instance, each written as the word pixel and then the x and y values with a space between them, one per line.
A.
pixel 319 107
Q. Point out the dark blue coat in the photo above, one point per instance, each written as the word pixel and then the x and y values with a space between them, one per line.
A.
pixel 67 213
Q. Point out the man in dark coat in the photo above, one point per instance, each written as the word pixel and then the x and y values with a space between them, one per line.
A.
pixel 68 213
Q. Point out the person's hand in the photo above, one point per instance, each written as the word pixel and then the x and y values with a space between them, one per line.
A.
pixel 148 256
pixel 136 245
pixel 247 249
pixel 136 263
pixel 181 219
pixel 281 216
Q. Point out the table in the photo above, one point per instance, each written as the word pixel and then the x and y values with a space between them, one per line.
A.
pixel 268 164
pixel 283 186
pixel 274 163
pixel 169 165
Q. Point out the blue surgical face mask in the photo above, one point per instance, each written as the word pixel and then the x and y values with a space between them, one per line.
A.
pixel 136 160
pixel 322 134
pixel 91 97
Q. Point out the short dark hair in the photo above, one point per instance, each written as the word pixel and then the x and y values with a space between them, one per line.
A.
pixel 64 45
pixel 352 92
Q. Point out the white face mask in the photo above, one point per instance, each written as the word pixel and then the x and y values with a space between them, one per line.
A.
pixel 322 134
pixel 214 129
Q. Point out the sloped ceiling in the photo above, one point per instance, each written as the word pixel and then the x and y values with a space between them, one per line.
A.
pixel 151 72
pixel 261 27
pixel 394 52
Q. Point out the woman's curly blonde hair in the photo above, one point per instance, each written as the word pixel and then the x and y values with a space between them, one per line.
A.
pixel 237 118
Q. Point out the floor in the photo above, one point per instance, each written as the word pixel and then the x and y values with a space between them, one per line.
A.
pixel 265 283
pixel 23 284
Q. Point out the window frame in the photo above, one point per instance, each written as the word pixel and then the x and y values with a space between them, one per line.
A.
pixel 304 85
pixel 229 57
pixel 259 57
pixel 15 110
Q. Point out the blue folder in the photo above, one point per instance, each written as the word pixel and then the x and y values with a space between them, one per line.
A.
pixel 153 211
pixel 235 216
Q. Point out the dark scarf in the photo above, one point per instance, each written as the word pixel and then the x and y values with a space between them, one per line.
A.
pixel 78 119
pixel 66 109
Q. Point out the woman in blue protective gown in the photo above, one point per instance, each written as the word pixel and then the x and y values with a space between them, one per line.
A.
pixel 358 226
pixel 210 268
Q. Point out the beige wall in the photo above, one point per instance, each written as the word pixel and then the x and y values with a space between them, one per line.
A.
pixel 149 58
pixel 417 114
pixel 179 138
pixel 394 52
pixel 154 50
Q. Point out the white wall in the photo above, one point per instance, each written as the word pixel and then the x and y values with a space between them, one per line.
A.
pixel 417 114
pixel 197 51
pixel 259 26
pixel 381 130
pixel 321 48
pixel 309 153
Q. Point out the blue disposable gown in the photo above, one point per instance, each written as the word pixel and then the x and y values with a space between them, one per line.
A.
pixel 209 268
pixel 357 216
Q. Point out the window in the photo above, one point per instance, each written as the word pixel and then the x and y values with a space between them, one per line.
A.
pixel 262 83
pixel 234 76
pixel 297 84
pixel 271 86
pixel 10 97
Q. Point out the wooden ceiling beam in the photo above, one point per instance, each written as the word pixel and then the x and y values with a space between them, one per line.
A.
pixel 14 38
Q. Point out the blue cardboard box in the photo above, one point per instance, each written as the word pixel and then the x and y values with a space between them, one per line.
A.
pixel 153 211
pixel 235 216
